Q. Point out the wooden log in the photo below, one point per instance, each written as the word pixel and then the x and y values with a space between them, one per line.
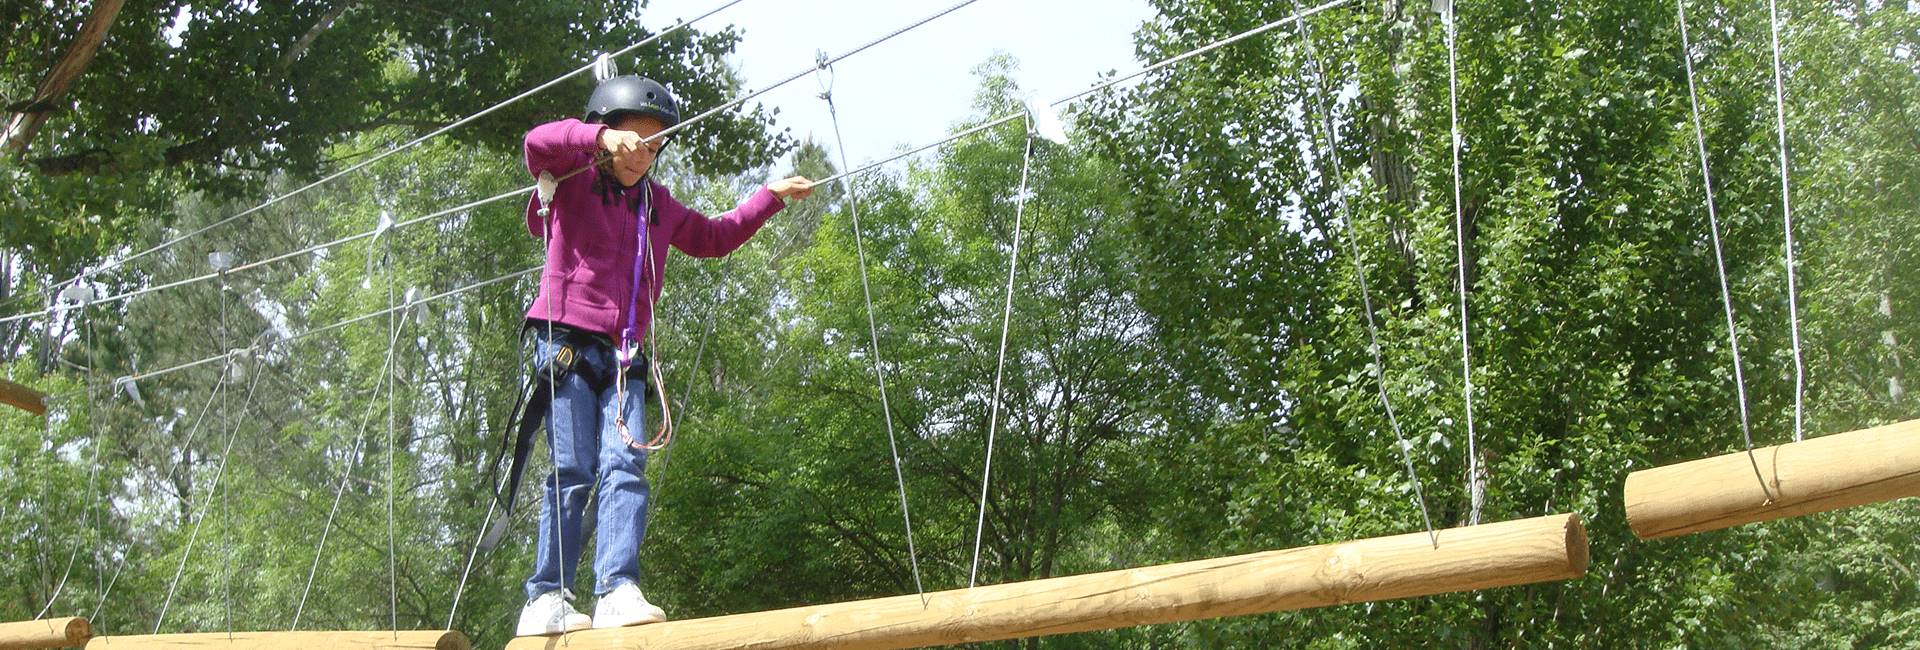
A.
pixel 23 398
pixel 46 633
pixel 1383 568
pixel 377 640
pixel 1826 473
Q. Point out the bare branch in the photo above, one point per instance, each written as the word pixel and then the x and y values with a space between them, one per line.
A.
pixel 306 40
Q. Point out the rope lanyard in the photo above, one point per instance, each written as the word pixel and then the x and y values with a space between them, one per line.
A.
pixel 630 339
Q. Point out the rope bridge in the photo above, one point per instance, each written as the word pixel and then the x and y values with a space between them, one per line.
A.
pixel 1794 479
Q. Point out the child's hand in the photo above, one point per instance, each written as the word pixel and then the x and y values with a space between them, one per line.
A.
pixel 624 144
pixel 618 142
pixel 794 187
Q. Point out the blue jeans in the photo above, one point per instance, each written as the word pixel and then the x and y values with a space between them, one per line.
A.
pixel 586 445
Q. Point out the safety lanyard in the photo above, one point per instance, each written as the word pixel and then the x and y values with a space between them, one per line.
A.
pixel 630 341
pixel 629 336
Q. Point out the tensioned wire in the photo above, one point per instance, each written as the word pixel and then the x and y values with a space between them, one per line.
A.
pixel 684 124
pixel 1000 363
pixel 1337 187
pixel 873 333
pixel 677 25
pixel 1475 494
pixel 219 474
pixel 1719 255
pixel 830 179
pixel 1786 217
pixel 93 472
pixel 840 177
pixel 821 63
pixel 346 473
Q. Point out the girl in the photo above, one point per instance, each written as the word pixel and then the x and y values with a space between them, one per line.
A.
pixel 607 229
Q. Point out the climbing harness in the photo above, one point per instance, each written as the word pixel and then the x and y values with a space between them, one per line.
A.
pixel 530 411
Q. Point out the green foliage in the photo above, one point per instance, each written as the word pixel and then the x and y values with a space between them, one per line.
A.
pixel 59 547
pixel 1593 299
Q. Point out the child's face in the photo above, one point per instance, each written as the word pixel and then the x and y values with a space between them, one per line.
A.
pixel 632 167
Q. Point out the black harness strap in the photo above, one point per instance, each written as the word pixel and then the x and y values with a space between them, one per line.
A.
pixel 529 413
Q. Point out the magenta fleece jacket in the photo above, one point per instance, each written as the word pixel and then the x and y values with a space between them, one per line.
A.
pixel 588 281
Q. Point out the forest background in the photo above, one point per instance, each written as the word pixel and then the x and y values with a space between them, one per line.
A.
pixel 1190 369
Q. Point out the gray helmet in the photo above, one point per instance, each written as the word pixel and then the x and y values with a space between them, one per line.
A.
pixel 632 94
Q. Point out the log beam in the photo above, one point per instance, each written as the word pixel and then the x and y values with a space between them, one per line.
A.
pixel 1382 568
pixel 1820 474
pixel 379 640
pixel 23 398
pixel 46 633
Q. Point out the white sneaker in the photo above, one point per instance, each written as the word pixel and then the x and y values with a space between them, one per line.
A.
pixel 625 606
pixel 551 614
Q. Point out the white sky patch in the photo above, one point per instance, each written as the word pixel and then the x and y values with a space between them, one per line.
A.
pixel 912 89
pixel 181 21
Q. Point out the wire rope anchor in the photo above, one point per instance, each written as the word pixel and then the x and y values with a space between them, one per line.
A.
pixel 603 68
pixel 220 261
pixel 76 295
pixel 380 229
pixel 411 300
pixel 543 192
pixel 126 384
pixel 823 67
pixel 235 368
pixel 1045 122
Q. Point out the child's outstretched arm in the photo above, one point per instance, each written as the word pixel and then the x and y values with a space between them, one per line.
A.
pixel 700 236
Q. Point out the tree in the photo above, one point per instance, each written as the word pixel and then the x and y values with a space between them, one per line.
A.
pixel 187 98
pixel 1589 279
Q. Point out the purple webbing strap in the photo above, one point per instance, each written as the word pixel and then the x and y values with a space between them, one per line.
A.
pixel 628 336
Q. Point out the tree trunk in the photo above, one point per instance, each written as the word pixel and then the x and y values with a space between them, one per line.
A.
pixel 299 48
pixel 1895 392
pixel 183 485
pixel 1388 164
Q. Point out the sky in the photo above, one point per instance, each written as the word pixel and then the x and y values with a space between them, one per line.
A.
pixel 910 90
